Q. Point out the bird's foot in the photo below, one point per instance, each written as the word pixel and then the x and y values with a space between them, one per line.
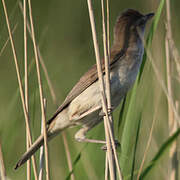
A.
pixel 117 145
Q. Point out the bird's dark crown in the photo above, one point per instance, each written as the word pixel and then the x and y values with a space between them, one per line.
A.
pixel 129 27
pixel 130 16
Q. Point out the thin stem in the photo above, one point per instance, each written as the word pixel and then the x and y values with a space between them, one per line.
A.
pixel 102 90
pixel 170 38
pixel 171 119
pixel 108 90
pixel 40 91
pixel 54 98
pixel 26 87
pixel 106 168
pixel 41 154
pixel 68 155
pixel 168 65
pixel 2 167
pixel 107 77
pixel 106 58
pixel 20 85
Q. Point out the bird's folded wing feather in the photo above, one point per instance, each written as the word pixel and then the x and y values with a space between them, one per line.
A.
pixel 85 81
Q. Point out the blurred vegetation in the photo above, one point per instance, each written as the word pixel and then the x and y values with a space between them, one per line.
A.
pixel 63 34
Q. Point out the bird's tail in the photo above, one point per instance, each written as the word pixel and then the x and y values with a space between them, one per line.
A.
pixel 52 130
pixel 35 146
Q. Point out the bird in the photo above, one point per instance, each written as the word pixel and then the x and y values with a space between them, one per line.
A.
pixel 82 106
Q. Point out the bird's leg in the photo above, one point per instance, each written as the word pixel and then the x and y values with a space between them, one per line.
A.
pixel 80 136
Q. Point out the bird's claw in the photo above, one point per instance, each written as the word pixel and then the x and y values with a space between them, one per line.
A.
pixel 117 144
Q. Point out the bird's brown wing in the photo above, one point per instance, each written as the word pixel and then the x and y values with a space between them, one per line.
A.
pixel 85 81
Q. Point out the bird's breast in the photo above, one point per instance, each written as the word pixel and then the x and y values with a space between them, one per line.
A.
pixel 122 77
pixel 124 74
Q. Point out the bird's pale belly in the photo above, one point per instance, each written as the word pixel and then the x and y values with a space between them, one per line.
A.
pixel 85 108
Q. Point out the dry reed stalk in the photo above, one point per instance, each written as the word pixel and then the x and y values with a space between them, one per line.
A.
pixel 102 90
pixel 42 62
pixel 53 95
pixel 171 43
pixel 26 88
pixel 170 111
pixel 108 90
pixel 169 86
pixel 106 168
pixel 2 167
pixel 40 91
pixel 168 66
pixel 175 53
pixel 106 58
pixel 68 155
pixel 171 119
pixel 41 154
pixel 20 84
pixel 54 98
pixel 41 157
pixel 173 151
pixel 107 84
pixel 108 35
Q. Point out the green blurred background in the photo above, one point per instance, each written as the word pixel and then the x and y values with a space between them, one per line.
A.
pixel 63 34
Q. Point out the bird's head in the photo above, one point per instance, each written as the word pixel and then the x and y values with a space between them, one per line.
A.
pixel 130 23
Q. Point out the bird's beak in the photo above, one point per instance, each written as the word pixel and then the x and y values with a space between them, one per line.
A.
pixel 149 16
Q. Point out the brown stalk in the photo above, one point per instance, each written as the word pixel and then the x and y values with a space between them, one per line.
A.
pixel 20 85
pixel 54 98
pixel 41 157
pixel 26 88
pixel 174 52
pixel 107 84
pixel 40 91
pixel 106 168
pixel 102 90
pixel 172 121
pixel 41 61
pixel 2 167
pixel 108 90
pixel 173 151
pixel 169 86
pixel 41 154
pixel 171 43
pixel 168 69
pixel 53 95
